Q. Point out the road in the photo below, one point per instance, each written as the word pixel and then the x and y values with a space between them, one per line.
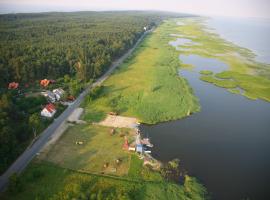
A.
pixel 24 159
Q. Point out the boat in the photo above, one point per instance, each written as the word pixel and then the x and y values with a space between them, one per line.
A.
pixel 146 142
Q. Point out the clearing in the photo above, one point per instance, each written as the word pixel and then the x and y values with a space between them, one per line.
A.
pixel 98 148
pixel 119 121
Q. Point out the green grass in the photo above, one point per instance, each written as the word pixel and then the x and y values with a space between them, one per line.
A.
pixel 244 71
pixel 44 181
pixel 206 72
pixel 218 82
pixel 135 167
pixel 147 85
pixel 255 87
pixel 94 116
pixel 98 148
pixel 234 91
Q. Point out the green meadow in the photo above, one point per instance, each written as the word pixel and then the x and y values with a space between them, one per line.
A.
pixel 243 72
pixel 44 181
pixel 147 86
pixel 68 171
pixel 99 147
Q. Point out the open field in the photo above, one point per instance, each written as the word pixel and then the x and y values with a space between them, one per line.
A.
pixel 70 171
pixel 119 121
pixel 99 147
pixel 244 72
pixel 147 86
pixel 44 181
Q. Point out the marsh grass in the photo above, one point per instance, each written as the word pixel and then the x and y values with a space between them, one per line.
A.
pixel 147 86
pixel 244 71
pixel 219 82
pixel 206 72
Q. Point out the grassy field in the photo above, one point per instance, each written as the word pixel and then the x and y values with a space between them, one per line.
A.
pixel 70 171
pixel 99 147
pixel 244 71
pixel 45 181
pixel 147 86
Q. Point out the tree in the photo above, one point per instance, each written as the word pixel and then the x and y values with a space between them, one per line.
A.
pixel 34 122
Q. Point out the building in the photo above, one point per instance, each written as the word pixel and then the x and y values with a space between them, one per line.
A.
pixel 48 111
pixel 139 148
pixel 13 85
pixel 44 82
pixel 59 92
pixel 50 96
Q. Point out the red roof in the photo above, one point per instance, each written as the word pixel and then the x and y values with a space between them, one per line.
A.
pixel 50 107
pixel 13 85
pixel 45 82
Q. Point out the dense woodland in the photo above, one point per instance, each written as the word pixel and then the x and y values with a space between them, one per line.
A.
pixel 72 48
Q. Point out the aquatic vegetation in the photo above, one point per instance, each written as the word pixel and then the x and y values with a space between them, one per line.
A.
pixel 234 91
pixel 219 82
pixel 206 72
pixel 255 87
pixel 244 72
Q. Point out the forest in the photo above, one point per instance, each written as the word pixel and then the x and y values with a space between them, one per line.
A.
pixel 71 48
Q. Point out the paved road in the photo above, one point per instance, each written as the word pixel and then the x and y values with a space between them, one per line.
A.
pixel 24 159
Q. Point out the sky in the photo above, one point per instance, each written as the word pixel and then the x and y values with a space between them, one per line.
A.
pixel 235 8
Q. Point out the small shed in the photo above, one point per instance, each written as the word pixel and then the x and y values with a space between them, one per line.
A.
pixel 131 148
pixel 139 148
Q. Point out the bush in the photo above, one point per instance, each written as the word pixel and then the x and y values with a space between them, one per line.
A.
pixel 15 184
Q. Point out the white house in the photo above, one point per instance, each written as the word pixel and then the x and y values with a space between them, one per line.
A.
pixel 48 111
pixel 59 92
pixel 50 96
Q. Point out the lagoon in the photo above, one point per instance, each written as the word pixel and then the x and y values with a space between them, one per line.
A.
pixel 225 145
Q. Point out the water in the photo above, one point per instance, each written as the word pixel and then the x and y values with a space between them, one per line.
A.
pixel 181 41
pixel 250 33
pixel 226 145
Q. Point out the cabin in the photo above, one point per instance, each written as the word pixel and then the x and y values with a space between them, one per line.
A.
pixel 13 85
pixel 45 82
pixel 139 148
pixel 59 92
pixel 50 96
pixel 48 111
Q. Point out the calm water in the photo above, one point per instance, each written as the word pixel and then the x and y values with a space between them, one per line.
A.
pixel 226 145
pixel 251 33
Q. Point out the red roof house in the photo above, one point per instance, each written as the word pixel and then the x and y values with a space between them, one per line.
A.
pixel 48 111
pixel 45 82
pixel 13 85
